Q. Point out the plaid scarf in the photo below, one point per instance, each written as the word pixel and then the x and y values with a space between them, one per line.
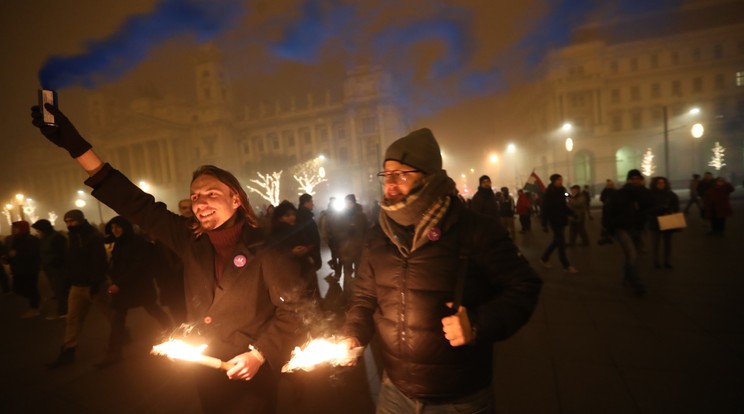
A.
pixel 422 209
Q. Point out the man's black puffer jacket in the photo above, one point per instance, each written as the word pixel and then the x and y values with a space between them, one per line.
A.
pixel 406 298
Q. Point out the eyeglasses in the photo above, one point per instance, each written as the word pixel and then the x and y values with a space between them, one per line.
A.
pixel 397 176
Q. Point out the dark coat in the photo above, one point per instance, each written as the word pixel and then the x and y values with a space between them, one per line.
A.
pixel 85 261
pixel 53 248
pixel 627 208
pixel 131 269
pixel 256 300
pixel 717 201
pixel 555 209
pixel 310 234
pixel 404 300
pixel 484 202
pixel 663 202
pixel 27 258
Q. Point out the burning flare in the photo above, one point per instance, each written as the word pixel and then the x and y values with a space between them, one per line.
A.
pixel 177 349
pixel 319 351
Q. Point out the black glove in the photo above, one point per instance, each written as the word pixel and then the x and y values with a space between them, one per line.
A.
pixel 63 134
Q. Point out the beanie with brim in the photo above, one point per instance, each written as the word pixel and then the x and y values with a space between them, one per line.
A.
pixel 419 149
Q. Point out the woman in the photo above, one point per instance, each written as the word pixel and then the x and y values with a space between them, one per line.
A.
pixel 663 201
pixel 718 205
pixel 132 283
pixel 285 235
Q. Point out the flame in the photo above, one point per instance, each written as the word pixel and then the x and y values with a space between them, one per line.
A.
pixel 320 351
pixel 177 349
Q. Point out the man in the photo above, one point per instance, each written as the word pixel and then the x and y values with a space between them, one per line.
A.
pixel 308 228
pixel 53 247
pixel 24 258
pixel 604 197
pixel 694 196
pixel 484 200
pixel 586 192
pixel 241 299
pixel 555 212
pixel 624 216
pixel 184 208
pixel 85 269
pixel 705 184
pixel 506 211
pixel 348 228
pixel 439 284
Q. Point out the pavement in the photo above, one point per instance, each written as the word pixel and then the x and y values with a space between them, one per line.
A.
pixel 591 346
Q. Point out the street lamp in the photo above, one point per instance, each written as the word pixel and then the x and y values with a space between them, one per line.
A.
pixel 569 148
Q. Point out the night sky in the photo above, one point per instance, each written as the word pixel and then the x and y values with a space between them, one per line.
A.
pixel 449 57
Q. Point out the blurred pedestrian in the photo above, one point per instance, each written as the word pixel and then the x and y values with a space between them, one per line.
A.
pixel 506 211
pixel 53 247
pixel 484 199
pixel 555 212
pixel 577 221
pixel 663 202
pixel 24 258
pixel 524 210
pixel 694 196
pixel 625 215
pixel 718 205
pixel 604 196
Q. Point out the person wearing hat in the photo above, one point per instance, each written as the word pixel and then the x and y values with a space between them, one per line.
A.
pixel 243 299
pixel 624 216
pixel 53 248
pixel 439 284
pixel 85 269
pixel 24 258
pixel 484 200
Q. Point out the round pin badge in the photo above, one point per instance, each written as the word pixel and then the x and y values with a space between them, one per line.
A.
pixel 435 234
pixel 239 260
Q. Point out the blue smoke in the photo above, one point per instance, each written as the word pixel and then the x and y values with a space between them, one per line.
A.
pixel 109 59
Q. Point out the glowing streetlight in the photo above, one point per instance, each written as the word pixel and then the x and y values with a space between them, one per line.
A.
pixel 81 192
pixel 321 157
pixel 20 197
pixel 144 186
pixel 9 206
pixel 567 127
pixel 493 159
pixel 511 148
pixel 694 111
pixel 697 130
pixel 569 144
pixel 79 203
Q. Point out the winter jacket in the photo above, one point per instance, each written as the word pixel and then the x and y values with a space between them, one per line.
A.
pixel 131 269
pixel 555 210
pixel 27 258
pixel 404 300
pixel 256 300
pixel 627 208
pixel 484 202
pixel 85 261
pixel 717 201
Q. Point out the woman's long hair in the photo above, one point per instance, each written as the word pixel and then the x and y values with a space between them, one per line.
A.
pixel 233 184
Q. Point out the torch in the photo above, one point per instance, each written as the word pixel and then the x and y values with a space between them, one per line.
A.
pixel 319 351
pixel 177 349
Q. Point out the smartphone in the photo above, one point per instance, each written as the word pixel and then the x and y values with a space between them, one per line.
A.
pixel 47 96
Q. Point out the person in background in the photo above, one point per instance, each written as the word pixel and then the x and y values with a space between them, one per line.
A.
pixel 694 196
pixel 586 192
pixel 555 212
pixel 718 205
pixel 438 285
pixel 310 233
pixel 663 201
pixel 604 196
pixel 349 229
pixel 85 269
pixel 484 200
pixel 577 221
pixel 132 284
pixel 506 211
pixel 53 246
pixel 524 210
pixel 24 258
pixel 625 215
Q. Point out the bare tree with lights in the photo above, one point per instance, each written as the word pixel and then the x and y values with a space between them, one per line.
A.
pixel 648 167
pixel 716 161
pixel 309 174
pixel 269 184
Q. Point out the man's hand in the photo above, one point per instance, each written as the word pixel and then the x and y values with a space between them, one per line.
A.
pixel 350 343
pixel 457 327
pixel 245 366
pixel 63 134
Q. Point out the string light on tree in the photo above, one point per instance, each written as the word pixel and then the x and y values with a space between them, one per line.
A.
pixel 269 184
pixel 648 167
pixel 309 175
pixel 717 160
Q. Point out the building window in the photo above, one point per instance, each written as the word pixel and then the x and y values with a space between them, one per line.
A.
pixel 259 143
pixel 369 125
pixel 613 66
pixel 576 100
pixel 634 64
pixel 697 85
pixel 322 133
pixel 696 54
pixel 656 117
pixel 615 96
pixel 343 154
pixel 616 122
pixel 676 88
pixel 718 51
pixel 636 120
pixel 635 93
pixel 739 78
pixel 307 139
pixel 675 58
pixel 720 81
pixel 274 140
pixel 247 148
pixel 655 90
pixel 654 61
pixel 289 138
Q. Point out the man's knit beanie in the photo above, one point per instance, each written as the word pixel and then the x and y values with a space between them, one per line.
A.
pixel 483 178
pixel 419 149
pixel 76 215
pixel 634 173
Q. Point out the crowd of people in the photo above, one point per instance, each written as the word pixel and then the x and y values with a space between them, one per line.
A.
pixel 437 278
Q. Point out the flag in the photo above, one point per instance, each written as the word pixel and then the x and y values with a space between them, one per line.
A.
pixel 534 184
